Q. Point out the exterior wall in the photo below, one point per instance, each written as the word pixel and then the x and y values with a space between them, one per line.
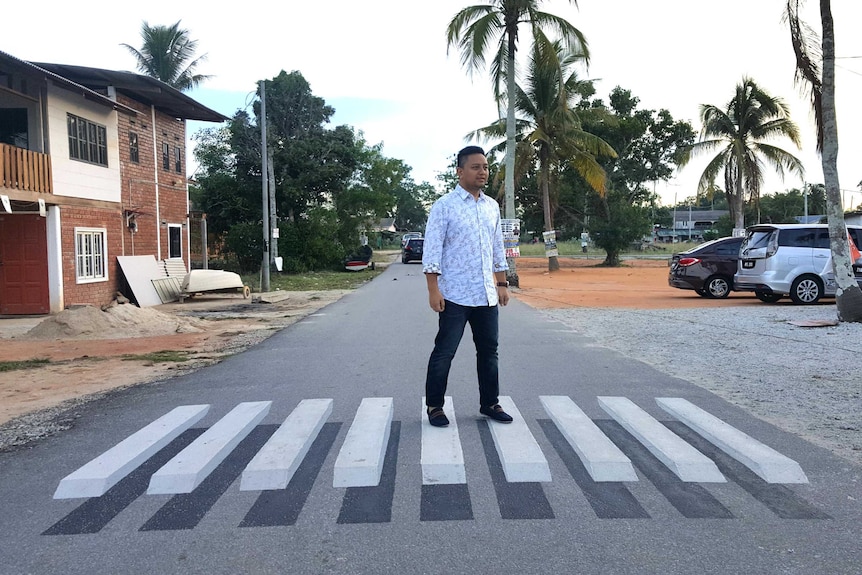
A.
pixel 71 177
pixel 98 292
pixel 158 196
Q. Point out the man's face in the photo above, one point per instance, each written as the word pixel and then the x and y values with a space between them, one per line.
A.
pixel 474 175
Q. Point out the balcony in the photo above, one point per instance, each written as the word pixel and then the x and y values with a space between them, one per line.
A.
pixel 24 170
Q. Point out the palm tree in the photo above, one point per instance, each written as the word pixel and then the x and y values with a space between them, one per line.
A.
pixel 166 54
pixel 740 132
pixel 820 84
pixel 475 28
pixel 548 131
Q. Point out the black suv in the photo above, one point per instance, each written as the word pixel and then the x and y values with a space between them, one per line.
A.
pixel 707 269
pixel 412 250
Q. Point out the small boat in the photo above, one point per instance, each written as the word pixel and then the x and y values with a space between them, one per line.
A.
pixel 359 261
pixel 212 281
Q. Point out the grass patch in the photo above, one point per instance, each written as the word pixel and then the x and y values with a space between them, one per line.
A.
pixel 25 364
pixel 566 249
pixel 322 280
pixel 164 356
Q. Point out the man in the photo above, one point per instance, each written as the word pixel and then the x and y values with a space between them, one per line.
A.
pixel 465 269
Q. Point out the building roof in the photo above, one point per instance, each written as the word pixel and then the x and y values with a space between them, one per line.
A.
pixel 146 89
pixel 11 62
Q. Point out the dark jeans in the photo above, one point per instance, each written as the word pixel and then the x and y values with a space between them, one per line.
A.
pixel 483 322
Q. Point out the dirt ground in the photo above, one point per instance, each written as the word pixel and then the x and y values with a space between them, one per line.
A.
pixel 90 354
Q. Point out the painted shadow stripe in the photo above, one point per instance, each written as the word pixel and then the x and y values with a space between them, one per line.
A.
pixel 92 515
pixel 279 507
pixel 516 500
pixel 185 511
pixel 609 499
pixel 446 502
pixel 374 504
pixel 779 499
pixel 690 499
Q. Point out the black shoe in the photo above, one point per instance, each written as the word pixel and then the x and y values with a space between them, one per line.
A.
pixel 496 413
pixel 437 417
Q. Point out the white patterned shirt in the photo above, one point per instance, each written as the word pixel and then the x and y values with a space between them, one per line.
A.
pixel 464 244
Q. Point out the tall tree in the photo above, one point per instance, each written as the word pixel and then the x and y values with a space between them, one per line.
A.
pixel 167 53
pixel 549 131
pixel 741 132
pixel 476 28
pixel 815 69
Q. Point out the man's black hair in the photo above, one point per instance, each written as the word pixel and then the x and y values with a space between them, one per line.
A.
pixel 468 151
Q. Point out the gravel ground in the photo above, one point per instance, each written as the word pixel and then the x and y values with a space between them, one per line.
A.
pixel 801 379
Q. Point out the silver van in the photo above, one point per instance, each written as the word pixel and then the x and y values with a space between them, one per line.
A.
pixel 777 260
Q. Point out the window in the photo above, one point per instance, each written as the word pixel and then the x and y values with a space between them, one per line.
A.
pixel 88 142
pixel 133 147
pixel 178 160
pixel 90 255
pixel 797 238
pixel 166 156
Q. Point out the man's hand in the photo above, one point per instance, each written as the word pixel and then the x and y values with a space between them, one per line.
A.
pixel 436 301
pixel 503 295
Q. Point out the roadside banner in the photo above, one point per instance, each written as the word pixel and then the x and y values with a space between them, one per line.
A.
pixel 511 237
pixel 550 243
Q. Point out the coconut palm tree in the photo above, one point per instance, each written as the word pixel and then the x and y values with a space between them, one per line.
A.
pixel 480 28
pixel 815 69
pixel 167 54
pixel 548 130
pixel 741 132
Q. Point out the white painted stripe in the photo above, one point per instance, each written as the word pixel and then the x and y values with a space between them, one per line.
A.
pixel 442 459
pixel 274 465
pixel 602 459
pixel 685 461
pixel 95 478
pixel 192 465
pixel 769 464
pixel 520 455
pixel 360 461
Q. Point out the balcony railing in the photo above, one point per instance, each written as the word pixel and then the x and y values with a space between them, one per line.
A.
pixel 25 170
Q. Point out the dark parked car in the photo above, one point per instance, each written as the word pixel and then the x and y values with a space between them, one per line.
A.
pixel 412 250
pixel 707 269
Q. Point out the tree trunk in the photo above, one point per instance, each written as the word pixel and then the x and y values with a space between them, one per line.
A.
pixel 509 179
pixel 739 205
pixel 553 262
pixel 848 295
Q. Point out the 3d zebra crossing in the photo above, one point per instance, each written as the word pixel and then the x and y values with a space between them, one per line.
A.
pixel 169 457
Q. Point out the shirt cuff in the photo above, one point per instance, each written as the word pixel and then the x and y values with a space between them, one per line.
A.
pixel 501 267
pixel 431 268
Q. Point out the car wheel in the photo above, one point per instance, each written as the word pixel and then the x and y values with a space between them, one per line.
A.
pixel 718 287
pixel 767 297
pixel 702 292
pixel 806 290
pixel 403 260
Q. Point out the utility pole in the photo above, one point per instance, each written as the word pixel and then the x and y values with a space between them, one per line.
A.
pixel 264 176
pixel 805 200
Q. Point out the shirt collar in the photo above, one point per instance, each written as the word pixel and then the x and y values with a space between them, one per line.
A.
pixel 464 194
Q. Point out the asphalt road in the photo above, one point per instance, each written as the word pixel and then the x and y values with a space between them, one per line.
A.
pixel 375 343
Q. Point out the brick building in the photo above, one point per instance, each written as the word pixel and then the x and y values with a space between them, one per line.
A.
pixel 92 166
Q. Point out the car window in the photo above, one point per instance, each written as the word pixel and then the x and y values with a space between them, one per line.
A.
pixel 798 238
pixel 758 239
pixel 856 235
pixel 728 248
pixel 822 238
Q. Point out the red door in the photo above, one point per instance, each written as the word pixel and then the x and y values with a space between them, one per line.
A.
pixel 23 265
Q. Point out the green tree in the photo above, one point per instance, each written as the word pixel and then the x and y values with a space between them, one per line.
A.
pixel 815 69
pixel 549 131
pixel 477 29
pixel 648 146
pixel 168 54
pixel 740 132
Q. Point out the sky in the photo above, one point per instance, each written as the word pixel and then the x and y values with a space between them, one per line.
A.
pixel 383 64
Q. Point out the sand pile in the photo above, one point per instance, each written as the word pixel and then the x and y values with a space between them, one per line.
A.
pixel 115 322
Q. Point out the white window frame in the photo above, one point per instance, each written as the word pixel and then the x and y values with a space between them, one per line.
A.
pixel 91 257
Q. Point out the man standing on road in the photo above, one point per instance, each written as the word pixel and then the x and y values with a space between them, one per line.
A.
pixel 465 269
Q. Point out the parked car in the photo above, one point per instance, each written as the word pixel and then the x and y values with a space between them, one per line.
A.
pixel 795 260
pixel 412 250
pixel 408 236
pixel 707 269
